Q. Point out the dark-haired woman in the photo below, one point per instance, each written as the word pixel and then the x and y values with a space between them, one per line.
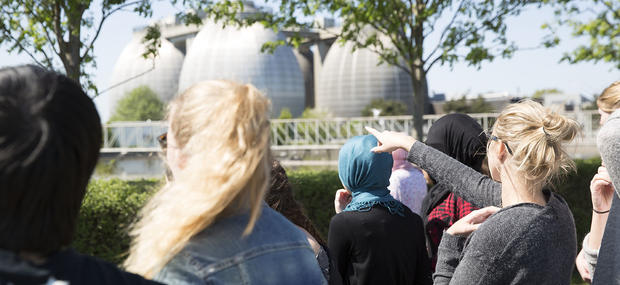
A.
pixel 280 198
pixel 462 138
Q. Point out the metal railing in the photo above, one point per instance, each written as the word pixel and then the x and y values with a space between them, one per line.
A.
pixel 310 133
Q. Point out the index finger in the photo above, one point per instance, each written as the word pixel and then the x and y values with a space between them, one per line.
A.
pixel 373 131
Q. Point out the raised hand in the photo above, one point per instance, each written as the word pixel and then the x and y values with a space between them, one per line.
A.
pixel 602 190
pixel 390 141
pixel 341 200
pixel 471 222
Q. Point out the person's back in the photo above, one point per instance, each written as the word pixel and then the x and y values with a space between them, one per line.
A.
pixel 66 265
pixel 385 248
pixel 375 239
pixel 517 250
pixel 50 135
pixel 276 252
pixel 210 223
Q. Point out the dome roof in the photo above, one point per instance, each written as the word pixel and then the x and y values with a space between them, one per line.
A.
pixel 234 54
pixel 163 79
pixel 350 80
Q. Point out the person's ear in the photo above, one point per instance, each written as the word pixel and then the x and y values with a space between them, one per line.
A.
pixel 501 152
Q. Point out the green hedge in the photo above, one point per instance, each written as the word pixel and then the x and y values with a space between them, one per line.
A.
pixel 315 191
pixel 111 205
pixel 575 188
pixel 108 208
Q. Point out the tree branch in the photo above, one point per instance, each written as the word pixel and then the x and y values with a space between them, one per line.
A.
pixel 22 48
pixel 57 26
pixel 457 42
pixel 446 29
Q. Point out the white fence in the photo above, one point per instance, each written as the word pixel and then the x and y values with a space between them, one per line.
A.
pixel 328 133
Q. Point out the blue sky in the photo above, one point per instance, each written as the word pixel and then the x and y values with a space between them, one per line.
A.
pixel 524 73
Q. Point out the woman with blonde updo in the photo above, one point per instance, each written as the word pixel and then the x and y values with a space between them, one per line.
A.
pixel 531 239
pixel 605 218
pixel 210 223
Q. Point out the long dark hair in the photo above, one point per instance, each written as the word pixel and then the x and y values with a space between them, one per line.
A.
pixel 280 198
pixel 50 136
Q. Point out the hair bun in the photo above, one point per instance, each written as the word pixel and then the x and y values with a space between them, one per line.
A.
pixel 559 128
pixel 536 135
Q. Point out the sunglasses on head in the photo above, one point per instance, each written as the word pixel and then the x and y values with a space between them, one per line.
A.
pixel 495 138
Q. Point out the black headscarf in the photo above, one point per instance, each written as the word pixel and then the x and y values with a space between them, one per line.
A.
pixel 461 137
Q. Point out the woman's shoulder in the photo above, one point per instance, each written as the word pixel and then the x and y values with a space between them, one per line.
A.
pixel 527 222
pixel 222 238
pixel 346 217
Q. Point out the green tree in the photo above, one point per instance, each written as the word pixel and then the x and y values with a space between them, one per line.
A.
pixel 140 104
pixel 387 107
pixel 407 34
pixel 479 105
pixel 50 31
pixel 462 105
pixel 456 105
pixel 596 21
pixel 538 94
pixel 313 113
pixel 285 113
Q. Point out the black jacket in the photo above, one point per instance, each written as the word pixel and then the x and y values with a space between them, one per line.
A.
pixel 66 265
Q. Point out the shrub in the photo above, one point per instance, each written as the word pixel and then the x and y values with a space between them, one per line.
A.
pixel 315 190
pixel 575 188
pixel 109 207
pixel 387 107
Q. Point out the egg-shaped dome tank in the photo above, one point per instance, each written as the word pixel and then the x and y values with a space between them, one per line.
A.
pixel 233 53
pixel 133 70
pixel 349 81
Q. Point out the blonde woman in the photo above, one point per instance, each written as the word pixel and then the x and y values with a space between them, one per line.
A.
pixel 531 239
pixel 210 224
pixel 602 191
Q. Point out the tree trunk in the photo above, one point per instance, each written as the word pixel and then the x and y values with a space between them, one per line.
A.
pixel 420 94
pixel 70 49
pixel 72 66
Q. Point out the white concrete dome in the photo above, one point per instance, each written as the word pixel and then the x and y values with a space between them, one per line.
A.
pixel 349 81
pixel 234 54
pixel 163 79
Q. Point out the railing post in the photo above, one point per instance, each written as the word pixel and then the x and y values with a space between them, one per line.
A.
pixel 106 144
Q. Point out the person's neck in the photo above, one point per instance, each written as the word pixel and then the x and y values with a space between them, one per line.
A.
pixel 516 190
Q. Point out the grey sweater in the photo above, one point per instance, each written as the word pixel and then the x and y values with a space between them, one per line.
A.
pixel 522 244
pixel 608 263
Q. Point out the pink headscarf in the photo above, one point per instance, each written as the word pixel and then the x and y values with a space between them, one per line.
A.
pixel 400 160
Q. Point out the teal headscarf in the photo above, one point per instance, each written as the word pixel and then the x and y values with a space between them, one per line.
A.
pixel 367 175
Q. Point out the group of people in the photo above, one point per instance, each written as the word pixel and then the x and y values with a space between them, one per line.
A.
pixel 227 214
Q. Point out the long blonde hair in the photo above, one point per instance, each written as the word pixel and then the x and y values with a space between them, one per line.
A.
pixel 609 100
pixel 222 129
pixel 536 134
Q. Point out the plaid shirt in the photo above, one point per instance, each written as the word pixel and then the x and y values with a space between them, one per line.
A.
pixel 442 217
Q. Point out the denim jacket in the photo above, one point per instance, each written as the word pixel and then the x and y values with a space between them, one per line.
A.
pixel 276 252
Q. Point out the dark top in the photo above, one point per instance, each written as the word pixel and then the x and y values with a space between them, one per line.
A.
pixel 376 247
pixel 608 262
pixel 66 265
pixel 524 243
